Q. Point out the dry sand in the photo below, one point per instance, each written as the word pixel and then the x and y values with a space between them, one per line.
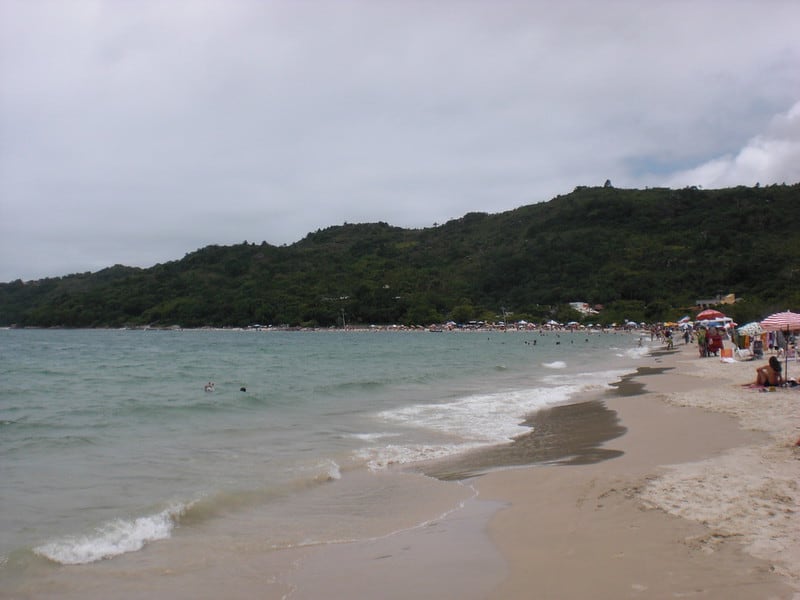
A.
pixel 720 522
pixel 703 503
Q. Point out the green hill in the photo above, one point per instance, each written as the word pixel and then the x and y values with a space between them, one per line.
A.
pixel 643 254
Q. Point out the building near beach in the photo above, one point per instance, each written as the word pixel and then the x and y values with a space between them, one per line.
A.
pixel 718 299
pixel 583 308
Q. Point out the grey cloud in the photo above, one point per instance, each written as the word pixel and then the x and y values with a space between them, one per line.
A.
pixel 771 157
pixel 136 132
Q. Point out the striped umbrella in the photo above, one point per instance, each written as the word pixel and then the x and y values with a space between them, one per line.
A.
pixel 783 321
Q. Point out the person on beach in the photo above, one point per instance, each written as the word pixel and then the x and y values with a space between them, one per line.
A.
pixel 701 342
pixel 770 374
pixel 713 342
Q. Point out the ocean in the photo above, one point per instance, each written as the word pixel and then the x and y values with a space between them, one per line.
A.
pixel 110 446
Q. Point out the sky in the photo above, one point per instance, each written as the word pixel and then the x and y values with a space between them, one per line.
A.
pixel 136 132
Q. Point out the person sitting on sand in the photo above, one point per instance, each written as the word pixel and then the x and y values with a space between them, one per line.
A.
pixel 769 375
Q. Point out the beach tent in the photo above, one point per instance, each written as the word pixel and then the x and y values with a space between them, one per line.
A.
pixel 787 322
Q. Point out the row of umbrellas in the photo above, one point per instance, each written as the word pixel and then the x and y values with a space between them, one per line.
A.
pixel 782 321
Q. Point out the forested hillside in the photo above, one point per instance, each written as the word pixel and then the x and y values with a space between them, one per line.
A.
pixel 643 254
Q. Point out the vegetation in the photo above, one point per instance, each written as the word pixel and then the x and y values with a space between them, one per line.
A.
pixel 642 254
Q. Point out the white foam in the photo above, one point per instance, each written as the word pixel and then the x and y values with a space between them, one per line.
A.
pixel 330 471
pixel 482 417
pixel 479 420
pixel 588 380
pixel 558 364
pixel 112 539
pixel 638 352
pixel 369 437
pixel 378 458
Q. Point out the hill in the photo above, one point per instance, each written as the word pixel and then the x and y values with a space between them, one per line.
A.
pixel 643 254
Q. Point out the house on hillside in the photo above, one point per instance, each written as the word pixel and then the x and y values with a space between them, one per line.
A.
pixel 583 308
pixel 719 299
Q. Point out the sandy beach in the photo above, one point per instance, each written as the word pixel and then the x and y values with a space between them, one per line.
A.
pixel 679 482
pixel 700 500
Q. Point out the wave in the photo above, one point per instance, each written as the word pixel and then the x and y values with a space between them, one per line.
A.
pixel 369 437
pixel 556 364
pixel 121 536
pixel 467 423
pixel 378 458
pixel 638 352
pixel 330 471
pixel 481 420
pixel 347 388
pixel 114 538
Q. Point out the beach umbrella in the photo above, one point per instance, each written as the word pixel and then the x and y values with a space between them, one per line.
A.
pixel 752 329
pixel 783 321
pixel 709 314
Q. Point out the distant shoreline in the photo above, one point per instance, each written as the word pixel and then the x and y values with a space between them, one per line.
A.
pixel 355 329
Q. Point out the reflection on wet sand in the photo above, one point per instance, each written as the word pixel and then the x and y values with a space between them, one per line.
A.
pixel 570 434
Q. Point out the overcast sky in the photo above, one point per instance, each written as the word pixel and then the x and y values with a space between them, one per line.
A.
pixel 134 132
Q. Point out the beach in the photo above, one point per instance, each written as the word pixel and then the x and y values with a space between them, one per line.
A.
pixel 676 481
pixel 702 502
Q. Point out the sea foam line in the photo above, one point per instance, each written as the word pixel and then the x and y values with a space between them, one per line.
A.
pixel 482 419
pixel 114 538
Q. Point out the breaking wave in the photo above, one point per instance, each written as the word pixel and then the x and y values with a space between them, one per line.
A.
pixel 114 538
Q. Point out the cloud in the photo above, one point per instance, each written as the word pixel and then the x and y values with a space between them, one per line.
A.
pixel 136 132
pixel 771 157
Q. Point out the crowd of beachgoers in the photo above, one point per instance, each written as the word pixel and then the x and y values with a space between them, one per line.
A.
pixel 479 326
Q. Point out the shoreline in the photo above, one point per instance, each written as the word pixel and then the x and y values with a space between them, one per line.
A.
pixel 633 526
pixel 638 527
pixel 676 482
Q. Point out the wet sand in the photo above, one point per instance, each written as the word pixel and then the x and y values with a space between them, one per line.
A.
pixel 699 501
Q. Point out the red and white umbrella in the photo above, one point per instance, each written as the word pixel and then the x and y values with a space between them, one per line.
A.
pixel 709 314
pixel 782 321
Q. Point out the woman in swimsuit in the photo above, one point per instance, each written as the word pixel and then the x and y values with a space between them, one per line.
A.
pixel 769 375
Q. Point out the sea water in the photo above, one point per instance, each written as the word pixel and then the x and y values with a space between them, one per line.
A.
pixel 110 444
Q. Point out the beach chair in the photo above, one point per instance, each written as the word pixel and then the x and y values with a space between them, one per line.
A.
pixel 742 353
